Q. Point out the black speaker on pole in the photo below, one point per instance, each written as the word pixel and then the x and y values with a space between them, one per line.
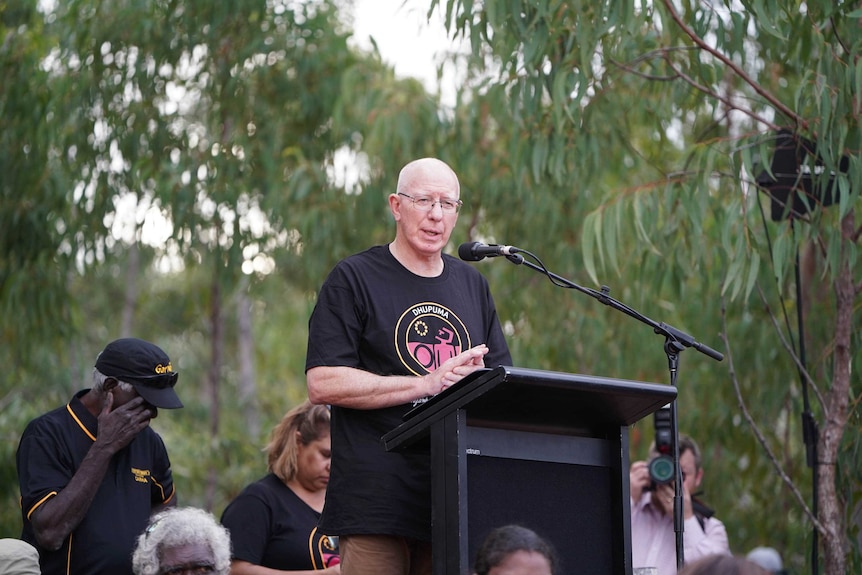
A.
pixel 797 180
pixel 545 450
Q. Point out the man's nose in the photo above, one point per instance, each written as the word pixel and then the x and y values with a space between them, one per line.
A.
pixel 436 210
pixel 154 411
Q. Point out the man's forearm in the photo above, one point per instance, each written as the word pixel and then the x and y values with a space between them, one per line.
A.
pixel 57 517
pixel 358 389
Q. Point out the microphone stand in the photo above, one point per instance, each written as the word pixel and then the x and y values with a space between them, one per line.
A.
pixel 675 342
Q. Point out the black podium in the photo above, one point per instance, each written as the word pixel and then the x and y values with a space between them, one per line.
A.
pixel 542 449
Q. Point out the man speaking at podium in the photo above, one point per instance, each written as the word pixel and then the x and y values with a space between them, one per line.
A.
pixel 392 326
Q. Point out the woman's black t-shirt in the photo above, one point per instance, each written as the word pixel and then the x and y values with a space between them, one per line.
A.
pixel 271 526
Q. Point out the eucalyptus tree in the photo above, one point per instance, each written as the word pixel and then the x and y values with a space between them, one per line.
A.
pixel 200 134
pixel 206 138
pixel 662 118
pixel 173 116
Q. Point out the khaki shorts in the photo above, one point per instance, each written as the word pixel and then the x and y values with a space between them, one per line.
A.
pixel 383 555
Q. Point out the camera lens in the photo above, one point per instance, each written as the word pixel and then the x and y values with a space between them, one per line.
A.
pixel 661 470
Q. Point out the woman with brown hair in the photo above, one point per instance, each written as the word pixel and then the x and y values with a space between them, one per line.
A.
pixel 273 521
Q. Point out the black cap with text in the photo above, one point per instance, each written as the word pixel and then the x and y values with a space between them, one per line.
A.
pixel 145 366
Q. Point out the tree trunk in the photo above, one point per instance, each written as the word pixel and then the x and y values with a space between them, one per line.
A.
pixel 247 387
pixel 213 377
pixel 130 297
pixel 831 509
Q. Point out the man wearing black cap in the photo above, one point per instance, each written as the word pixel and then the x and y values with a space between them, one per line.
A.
pixel 93 471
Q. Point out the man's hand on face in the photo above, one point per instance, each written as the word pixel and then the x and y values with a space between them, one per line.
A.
pixel 117 427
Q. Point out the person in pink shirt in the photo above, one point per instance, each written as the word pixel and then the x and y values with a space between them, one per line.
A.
pixel 653 536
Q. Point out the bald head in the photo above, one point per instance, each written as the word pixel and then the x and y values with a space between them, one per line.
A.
pixel 424 170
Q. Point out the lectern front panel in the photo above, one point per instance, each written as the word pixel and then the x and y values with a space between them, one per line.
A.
pixel 569 505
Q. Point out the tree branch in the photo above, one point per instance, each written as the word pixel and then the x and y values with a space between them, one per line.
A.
pixel 757 433
pixel 789 348
pixel 800 121
pixel 723 99
pixel 678 74
pixel 659 53
pixel 636 72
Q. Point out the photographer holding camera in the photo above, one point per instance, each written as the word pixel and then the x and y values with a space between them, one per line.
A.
pixel 652 493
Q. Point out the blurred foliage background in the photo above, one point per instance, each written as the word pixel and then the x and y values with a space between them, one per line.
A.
pixel 188 172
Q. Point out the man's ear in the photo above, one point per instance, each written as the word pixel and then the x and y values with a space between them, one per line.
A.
pixel 395 206
pixel 110 383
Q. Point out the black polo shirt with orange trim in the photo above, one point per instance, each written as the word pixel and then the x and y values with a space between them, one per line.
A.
pixel 138 480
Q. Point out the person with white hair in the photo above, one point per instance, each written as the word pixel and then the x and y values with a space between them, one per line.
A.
pixel 768 558
pixel 92 472
pixel 392 326
pixel 183 541
pixel 18 557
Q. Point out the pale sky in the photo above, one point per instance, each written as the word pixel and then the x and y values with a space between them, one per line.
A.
pixel 406 39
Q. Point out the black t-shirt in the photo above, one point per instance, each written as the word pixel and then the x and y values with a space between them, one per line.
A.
pixel 138 479
pixel 374 314
pixel 271 526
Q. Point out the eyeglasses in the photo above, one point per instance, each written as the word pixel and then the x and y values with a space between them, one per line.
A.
pixel 194 569
pixel 426 204
pixel 160 381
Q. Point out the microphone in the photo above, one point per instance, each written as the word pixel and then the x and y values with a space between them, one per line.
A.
pixel 475 251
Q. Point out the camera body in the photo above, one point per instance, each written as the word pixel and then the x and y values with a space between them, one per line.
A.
pixel 661 467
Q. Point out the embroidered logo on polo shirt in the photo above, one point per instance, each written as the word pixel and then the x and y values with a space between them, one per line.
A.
pixel 141 475
pixel 427 334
